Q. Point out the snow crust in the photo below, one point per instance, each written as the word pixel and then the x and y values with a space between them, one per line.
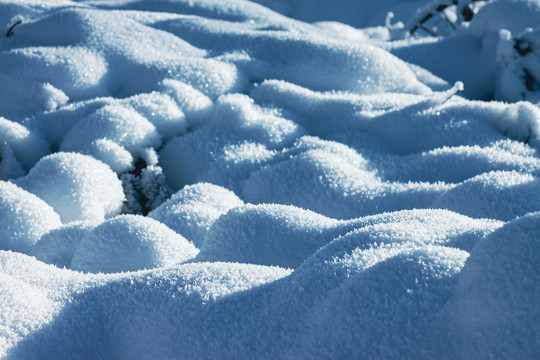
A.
pixel 242 179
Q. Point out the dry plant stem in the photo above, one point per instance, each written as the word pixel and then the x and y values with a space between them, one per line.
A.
pixel 10 30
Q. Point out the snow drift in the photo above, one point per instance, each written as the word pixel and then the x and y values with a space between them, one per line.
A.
pixel 216 179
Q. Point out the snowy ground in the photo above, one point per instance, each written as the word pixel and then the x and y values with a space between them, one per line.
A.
pixel 217 179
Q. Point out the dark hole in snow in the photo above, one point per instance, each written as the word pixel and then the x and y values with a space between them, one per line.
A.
pixel 522 47
pixel 467 13
pixel 529 81
pixel 143 201
pixel 140 164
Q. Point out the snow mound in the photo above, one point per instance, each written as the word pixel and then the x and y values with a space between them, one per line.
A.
pixel 267 235
pixel 162 111
pixel 27 146
pixel 239 115
pixel 424 227
pixel 24 309
pixel 196 106
pixel 494 17
pixel 392 123
pixel 494 306
pixel 58 246
pixel 192 211
pixel 458 163
pixel 119 124
pixel 32 295
pixel 242 137
pixel 228 182
pixel 109 152
pixel 148 313
pixel 346 184
pixel 381 285
pixel 321 66
pixel 384 297
pixel 78 187
pixel 51 77
pixel 132 45
pixel 286 236
pixel 24 218
pixel 128 243
pixel 313 60
pixel 502 195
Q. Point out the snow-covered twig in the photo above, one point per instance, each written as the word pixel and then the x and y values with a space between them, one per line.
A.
pixel 463 8
pixel 458 86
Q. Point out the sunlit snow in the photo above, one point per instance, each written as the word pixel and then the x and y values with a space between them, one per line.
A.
pixel 270 179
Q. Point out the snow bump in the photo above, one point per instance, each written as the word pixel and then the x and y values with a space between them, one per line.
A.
pixel 77 186
pixel 129 243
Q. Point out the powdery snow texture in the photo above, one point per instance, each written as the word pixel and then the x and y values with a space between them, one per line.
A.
pixel 313 188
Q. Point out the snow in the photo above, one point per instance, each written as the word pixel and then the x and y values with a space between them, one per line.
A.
pixel 345 11
pixel 407 286
pixel 116 156
pixel 128 243
pixel 162 112
pixel 269 179
pixel 502 195
pixel 58 246
pixel 483 308
pixel 25 218
pixel 121 125
pixel 27 146
pixel 195 105
pixel 286 235
pixel 494 16
pixel 192 211
pixel 267 235
pixel 77 186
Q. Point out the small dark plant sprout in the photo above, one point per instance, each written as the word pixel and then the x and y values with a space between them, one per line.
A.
pixel 145 188
pixel 10 30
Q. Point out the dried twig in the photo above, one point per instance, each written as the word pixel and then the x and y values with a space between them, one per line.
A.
pixel 10 30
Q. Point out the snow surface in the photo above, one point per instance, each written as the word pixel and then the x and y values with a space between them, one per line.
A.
pixel 233 179
pixel 77 186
